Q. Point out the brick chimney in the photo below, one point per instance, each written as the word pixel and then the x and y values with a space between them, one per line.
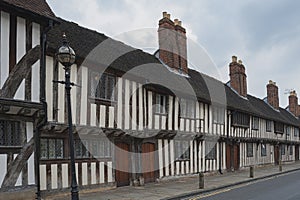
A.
pixel 238 78
pixel 272 95
pixel 293 103
pixel 172 43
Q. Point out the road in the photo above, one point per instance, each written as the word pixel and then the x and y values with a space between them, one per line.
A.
pixel 285 187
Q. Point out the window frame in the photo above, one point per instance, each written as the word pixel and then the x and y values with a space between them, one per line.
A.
pixel 255 123
pixel 10 133
pixel 218 115
pixel 249 150
pixel 269 125
pixel 161 104
pixel 187 108
pixel 240 119
pixel 278 127
pixel 210 150
pixel 282 149
pixel 182 150
pixel 106 93
pixel 48 151
pixel 296 132
pixel 263 149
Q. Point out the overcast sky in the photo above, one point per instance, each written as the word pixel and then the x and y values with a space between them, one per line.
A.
pixel 265 35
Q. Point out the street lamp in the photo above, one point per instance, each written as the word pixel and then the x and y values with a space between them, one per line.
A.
pixel 66 56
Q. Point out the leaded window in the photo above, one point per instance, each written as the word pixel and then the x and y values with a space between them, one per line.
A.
pixel 278 127
pixel 240 119
pixel 218 115
pixel 255 123
pixel 182 150
pixel 288 130
pixel 268 125
pixel 282 149
pixel 10 133
pixel 187 108
pixel 263 150
pixel 249 149
pixel 52 148
pixel 210 150
pixel 161 104
pixel 81 148
pixel 291 150
pixel 102 86
pixel 296 132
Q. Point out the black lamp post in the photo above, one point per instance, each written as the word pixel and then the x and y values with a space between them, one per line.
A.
pixel 66 56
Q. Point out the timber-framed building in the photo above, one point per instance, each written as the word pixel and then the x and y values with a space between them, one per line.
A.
pixel 117 111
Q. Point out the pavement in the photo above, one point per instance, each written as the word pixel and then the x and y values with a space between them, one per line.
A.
pixel 187 186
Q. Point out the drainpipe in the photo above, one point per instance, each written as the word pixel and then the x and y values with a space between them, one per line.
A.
pixel 43 101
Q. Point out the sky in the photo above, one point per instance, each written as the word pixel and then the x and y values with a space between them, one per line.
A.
pixel 265 35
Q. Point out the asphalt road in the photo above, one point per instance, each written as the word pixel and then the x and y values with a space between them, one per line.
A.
pixel 285 187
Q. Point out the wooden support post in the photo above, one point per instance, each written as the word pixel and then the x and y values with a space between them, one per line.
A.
pixel 201 180
pixel 252 172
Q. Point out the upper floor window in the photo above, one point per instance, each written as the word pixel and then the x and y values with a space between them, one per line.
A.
pixel 10 133
pixel 268 125
pixel 255 123
pixel 278 127
pixel 52 148
pixel 182 150
pixel 288 130
pixel 161 104
pixel 218 115
pixel 263 150
pixel 296 132
pixel 187 108
pixel 102 86
pixel 249 149
pixel 240 119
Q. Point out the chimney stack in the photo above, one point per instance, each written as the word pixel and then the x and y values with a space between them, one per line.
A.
pixel 293 103
pixel 272 94
pixel 172 43
pixel 238 78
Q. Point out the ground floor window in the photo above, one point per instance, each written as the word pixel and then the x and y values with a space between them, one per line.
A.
pixel 52 148
pixel 249 149
pixel 282 148
pixel 210 150
pixel 10 133
pixel 291 150
pixel 182 150
pixel 263 150
pixel 97 148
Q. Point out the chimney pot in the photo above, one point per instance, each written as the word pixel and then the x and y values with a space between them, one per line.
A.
pixel 165 14
pixel 293 93
pixel 176 22
pixel 234 59
pixel 169 16
pixel 240 62
pixel 180 23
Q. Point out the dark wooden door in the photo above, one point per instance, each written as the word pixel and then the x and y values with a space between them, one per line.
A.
pixel 228 157
pixel 296 152
pixel 276 154
pixel 122 164
pixel 232 157
pixel 236 157
pixel 148 162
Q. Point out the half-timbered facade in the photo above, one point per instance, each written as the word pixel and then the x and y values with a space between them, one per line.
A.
pixel 130 126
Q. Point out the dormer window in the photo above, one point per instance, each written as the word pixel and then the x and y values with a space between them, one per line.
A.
pixel 278 127
pixel 161 104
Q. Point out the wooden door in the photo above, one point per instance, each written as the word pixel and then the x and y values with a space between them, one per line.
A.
pixel 122 164
pixel 148 162
pixel 232 157
pixel 236 157
pixel 296 152
pixel 276 154
pixel 228 157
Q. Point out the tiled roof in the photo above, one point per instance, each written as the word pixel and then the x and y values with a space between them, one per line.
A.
pixel 39 7
pixel 84 41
